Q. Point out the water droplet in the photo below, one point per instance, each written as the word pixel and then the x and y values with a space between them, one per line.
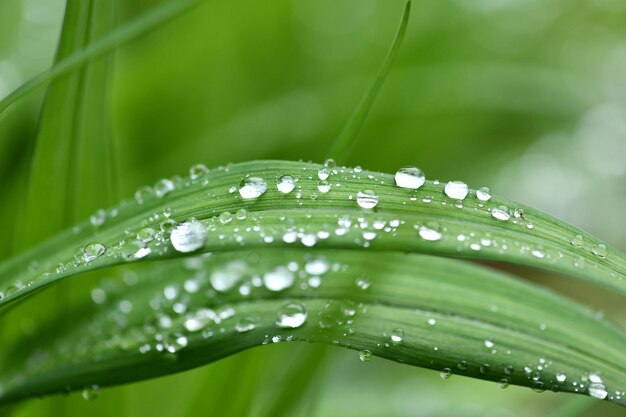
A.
pixel 241 214
pixel 410 177
pixel 501 213
pixel 198 170
pixel 445 373
pixel 561 377
pixel 366 199
pixel 278 279
pixel 146 235
pixel 485 368
pixel 330 163
pixel 286 184
pixel 397 335
pixel 483 194
pixel 365 355
pixel 323 186
pixel 163 187
pixel 430 233
pixel 134 249
pixel 91 392
pixel 599 250
pixel 488 343
pixel 363 283
pixel 456 189
pixel 598 390
pixel 309 240
pixel 252 187
pixel 245 324
pixel 93 251
pixel 538 254
pixel 577 241
pixel 431 321
pixel 98 218
pixel 143 193
pixel 188 236
pixel 462 365
pixel 323 174
pixel 508 370
pixel 317 266
pixel 291 315
pixel 225 217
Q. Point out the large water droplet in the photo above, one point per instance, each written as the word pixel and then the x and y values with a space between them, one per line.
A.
pixel 286 184
pixel 93 251
pixel 501 213
pixel 188 236
pixel 323 174
pixel 410 177
pixel 600 250
pixel 323 186
pixel 456 189
pixel 278 279
pixel 366 199
pixel 252 187
pixel 483 194
pixel 291 315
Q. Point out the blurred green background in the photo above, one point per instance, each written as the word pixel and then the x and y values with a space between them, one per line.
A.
pixel 526 96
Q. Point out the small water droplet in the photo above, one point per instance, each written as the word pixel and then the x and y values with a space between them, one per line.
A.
pixel 252 187
pixel 91 392
pixel 485 368
pixel 323 174
pixel 146 234
pixel 488 343
pixel 456 189
pixel 198 170
pixel 363 283
pixel 286 184
pixel 245 324
pixel 367 199
pixel 323 186
pixel 501 213
pixel 98 218
pixel 365 355
pixel 188 236
pixel 241 214
pixel 561 377
pixel 599 250
pixel 430 233
pixel 93 251
pixel 225 217
pixel 518 213
pixel 317 266
pixel 134 249
pixel 431 321
pixel 483 194
pixel 410 177
pixel 445 373
pixel 278 279
pixel 291 315
pixel 330 163
pixel 397 335
pixel 577 241
pixel 163 187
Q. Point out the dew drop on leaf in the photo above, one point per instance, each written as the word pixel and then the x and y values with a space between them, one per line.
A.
pixel 291 315
pixel 577 241
pixel 397 335
pixel 91 392
pixel 286 184
pixel 163 187
pixel 483 194
pixel 456 189
pixel 367 199
pixel 198 170
pixel 410 177
pixel 279 279
pixel 501 213
pixel 188 236
pixel 252 187
pixel 599 250
pixel 365 355
pixel 93 251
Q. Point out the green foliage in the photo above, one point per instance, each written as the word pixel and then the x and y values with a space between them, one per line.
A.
pixel 190 271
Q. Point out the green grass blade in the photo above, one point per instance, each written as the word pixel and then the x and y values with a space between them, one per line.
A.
pixel 416 309
pixel 348 136
pixel 307 216
pixel 150 20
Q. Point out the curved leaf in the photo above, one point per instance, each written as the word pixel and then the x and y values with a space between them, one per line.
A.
pixel 404 219
pixel 415 309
